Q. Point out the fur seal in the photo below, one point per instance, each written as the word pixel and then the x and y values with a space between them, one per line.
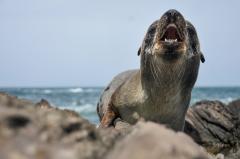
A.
pixel 160 91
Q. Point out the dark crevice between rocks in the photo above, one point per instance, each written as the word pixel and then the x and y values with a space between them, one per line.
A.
pixel 189 129
pixel 68 129
pixel 17 121
pixel 76 127
pixel 92 135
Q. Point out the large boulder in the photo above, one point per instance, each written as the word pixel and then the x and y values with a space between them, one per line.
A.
pixel 29 130
pixel 153 141
pixel 215 126
pixel 234 107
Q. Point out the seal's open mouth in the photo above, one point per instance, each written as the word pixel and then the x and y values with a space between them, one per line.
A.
pixel 171 35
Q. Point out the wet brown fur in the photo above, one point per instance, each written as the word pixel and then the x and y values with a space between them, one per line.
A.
pixel 161 90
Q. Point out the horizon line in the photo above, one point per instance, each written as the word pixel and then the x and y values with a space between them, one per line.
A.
pixel 199 86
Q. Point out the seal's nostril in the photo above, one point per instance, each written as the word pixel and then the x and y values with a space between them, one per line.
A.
pixel 172 12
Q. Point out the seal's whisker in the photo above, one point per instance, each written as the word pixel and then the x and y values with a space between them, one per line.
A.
pixel 153 71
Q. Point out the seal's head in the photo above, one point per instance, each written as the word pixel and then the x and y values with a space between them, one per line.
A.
pixel 170 51
pixel 170 37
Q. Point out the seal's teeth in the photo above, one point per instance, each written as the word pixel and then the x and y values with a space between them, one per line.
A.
pixel 170 40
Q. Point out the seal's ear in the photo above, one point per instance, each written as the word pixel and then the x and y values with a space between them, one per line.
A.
pixel 202 57
pixel 139 51
pixel 194 42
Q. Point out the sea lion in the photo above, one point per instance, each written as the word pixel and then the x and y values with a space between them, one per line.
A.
pixel 160 91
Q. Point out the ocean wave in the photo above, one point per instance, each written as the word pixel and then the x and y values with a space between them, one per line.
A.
pixel 227 100
pixel 83 99
pixel 76 90
pixel 81 109
pixel 77 102
pixel 89 90
pixel 47 91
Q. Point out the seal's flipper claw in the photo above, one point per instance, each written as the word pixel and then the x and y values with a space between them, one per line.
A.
pixel 202 58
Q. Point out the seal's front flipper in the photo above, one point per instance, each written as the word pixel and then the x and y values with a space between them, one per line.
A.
pixel 108 117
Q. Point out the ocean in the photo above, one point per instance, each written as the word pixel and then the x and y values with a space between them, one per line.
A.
pixel 84 99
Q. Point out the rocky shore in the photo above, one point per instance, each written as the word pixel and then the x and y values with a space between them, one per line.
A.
pixel 39 131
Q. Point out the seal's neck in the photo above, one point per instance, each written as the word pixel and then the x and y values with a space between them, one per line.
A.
pixel 159 77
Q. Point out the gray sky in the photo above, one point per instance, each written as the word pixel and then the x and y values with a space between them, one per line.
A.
pixel 86 43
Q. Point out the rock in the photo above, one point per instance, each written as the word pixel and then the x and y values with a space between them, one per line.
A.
pixel 13 102
pixel 215 126
pixel 219 156
pixel 29 130
pixel 234 107
pixel 122 126
pixel 43 104
pixel 235 154
pixel 153 141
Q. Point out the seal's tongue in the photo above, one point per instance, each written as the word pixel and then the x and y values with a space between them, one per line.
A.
pixel 171 33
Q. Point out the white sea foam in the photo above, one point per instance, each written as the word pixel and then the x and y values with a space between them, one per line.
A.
pixel 81 109
pixel 75 90
pixel 47 91
pixel 227 100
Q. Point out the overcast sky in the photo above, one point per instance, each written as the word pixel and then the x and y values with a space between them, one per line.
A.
pixel 85 43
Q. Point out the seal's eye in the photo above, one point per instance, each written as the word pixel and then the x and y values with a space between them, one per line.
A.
pixel 171 34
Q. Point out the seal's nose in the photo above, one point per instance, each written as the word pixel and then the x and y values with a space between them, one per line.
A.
pixel 172 15
pixel 172 12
